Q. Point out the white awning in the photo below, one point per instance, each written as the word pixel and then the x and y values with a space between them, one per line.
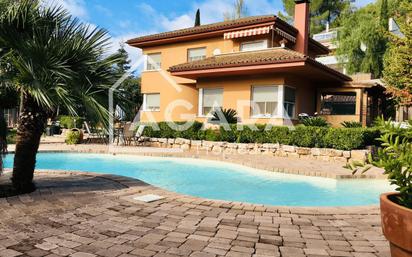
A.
pixel 248 32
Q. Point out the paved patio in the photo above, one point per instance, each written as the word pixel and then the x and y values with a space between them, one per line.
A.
pixel 82 215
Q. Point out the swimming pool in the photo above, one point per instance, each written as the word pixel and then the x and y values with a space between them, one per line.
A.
pixel 224 181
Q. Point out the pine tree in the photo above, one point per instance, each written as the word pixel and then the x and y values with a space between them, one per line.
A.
pixel 132 98
pixel 123 65
pixel 322 12
pixel 197 20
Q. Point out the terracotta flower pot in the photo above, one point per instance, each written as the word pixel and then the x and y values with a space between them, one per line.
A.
pixel 396 225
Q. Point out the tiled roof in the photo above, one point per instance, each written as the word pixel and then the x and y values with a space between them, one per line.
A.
pixel 269 56
pixel 207 28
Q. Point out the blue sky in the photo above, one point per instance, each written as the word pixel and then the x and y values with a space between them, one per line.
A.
pixel 125 19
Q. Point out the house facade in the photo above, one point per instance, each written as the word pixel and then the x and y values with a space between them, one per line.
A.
pixel 260 66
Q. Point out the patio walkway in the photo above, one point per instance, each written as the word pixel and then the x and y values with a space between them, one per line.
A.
pixel 84 215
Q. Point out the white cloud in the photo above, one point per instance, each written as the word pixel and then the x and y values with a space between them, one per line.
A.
pixel 75 7
pixel 183 21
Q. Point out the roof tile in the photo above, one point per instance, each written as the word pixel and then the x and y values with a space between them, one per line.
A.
pixel 268 56
pixel 206 28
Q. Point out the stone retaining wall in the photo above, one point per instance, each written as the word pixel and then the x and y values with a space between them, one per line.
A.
pixel 324 154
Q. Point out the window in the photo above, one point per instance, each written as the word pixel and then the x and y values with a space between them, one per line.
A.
pixel 289 102
pixel 153 62
pixel 210 99
pixel 151 102
pixel 254 45
pixel 339 103
pixel 196 54
pixel 265 101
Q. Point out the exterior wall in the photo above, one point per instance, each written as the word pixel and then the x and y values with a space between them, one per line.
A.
pixel 305 95
pixel 336 120
pixel 240 89
pixel 185 92
pixel 172 88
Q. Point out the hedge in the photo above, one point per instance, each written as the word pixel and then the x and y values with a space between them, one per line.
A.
pixel 302 136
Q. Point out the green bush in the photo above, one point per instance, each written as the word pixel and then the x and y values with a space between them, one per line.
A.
pixel 302 136
pixel 278 135
pixel 67 122
pixel 314 122
pixel 167 130
pixel 351 124
pixel 309 136
pixel 230 115
pixel 74 137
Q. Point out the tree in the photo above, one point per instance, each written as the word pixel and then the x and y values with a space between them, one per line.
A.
pixel 362 41
pixel 197 20
pixel 3 139
pixel 52 60
pixel 239 11
pixel 130 88
pixel 363 36
pixel 397 72
pixel 322 12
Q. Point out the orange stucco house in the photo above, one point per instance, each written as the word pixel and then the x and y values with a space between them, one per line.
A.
pixel 260 66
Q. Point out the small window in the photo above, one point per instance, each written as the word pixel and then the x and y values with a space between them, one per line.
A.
pixel 254 45
pixel 153 62
pixel 265 101
pixel 289 102
pixel 211 99
pixel 196 54
pixel 151 102
pixel 339 103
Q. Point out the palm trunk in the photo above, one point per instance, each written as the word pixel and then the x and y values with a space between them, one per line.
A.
pixel 3 138
pixel 30 127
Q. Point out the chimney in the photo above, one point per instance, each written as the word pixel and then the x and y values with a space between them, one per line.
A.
pixel 302 23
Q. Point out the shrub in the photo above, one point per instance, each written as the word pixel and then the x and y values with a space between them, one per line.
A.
pixel 229 114
pixel 210 135
pixel 166 130
pixel 278 135
pixel 351 124
pixel 302 136
pixel 67 122
pixel 73 137
pixel 314 122
pixel 309 136
pixel 395 157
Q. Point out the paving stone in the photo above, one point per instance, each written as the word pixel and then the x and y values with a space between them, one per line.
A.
pixel 84 215
pixel 9 253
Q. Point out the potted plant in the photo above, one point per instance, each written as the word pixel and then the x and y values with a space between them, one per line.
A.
pixel 395 156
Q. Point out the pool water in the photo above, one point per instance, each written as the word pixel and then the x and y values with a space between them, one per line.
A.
pixel 224 181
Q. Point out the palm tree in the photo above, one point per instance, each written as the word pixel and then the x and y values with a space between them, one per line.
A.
pixel 52 60
pixel 3 139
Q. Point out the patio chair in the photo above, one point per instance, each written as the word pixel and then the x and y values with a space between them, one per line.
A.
pixel 94 134
pixel 139 132
pixel 128 133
